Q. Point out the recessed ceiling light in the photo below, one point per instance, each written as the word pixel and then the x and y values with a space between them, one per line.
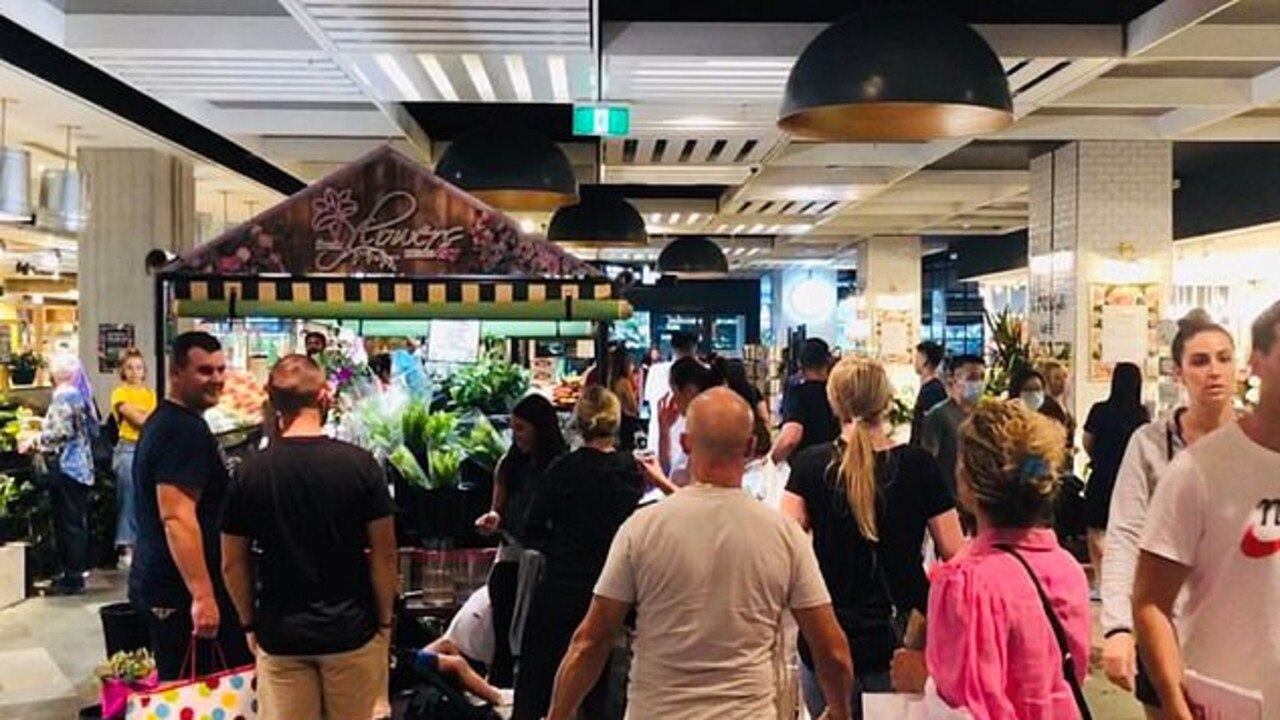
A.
pixel 434 70
pixel 396 75
pixel 519 78
pixel 739 228
pixel 694 217
pixel 756 229
pixel 559 77
pixel 479 77
pixel 528 225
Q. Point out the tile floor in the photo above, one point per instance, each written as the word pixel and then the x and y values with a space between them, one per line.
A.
pixel 49 647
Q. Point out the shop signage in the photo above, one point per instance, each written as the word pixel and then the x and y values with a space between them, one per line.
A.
pixel 601 121
pixel 381 239
pixel 383 214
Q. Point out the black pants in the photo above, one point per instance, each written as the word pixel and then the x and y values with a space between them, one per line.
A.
pixel 71 513
pixel 169 630
pixel 554 615
pixel 503 580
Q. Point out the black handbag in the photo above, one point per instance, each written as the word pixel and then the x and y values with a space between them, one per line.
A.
pixel 103 444
pixel 1059 634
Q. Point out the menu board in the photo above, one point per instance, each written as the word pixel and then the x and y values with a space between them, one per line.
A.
pixel 113 341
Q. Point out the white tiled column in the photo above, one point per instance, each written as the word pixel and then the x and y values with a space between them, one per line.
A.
pixel 889 282
pixel 139 200
pixel 1101 212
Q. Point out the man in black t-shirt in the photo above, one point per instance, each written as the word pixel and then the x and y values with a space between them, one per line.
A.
pixel 180 477
pixel 929 356
pixel 319 614
pixel 807 419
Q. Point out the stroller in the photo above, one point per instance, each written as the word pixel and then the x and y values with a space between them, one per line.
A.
pixel 419 693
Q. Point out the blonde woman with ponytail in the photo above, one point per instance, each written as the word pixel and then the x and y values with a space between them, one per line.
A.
pixel 868 503
pixel 582 500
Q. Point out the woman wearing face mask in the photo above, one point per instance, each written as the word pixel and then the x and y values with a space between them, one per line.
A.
pixel 1030 388
pixel 1205 358
pixel 536 441
pixel 1106 435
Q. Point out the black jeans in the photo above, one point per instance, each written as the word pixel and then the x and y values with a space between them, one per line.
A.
pixel 503 580
pixel 170 633
pixel 554 615
pixel 71 513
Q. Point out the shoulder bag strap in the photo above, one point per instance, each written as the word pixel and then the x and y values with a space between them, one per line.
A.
pixel 1059 633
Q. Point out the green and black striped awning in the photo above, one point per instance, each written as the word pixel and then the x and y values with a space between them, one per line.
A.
pixel 396 298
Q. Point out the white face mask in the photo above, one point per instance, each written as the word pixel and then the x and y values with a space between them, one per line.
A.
pixel 971 390
pixel 1033 399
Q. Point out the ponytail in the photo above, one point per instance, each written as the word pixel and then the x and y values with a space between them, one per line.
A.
pixel 858 476
pixel 860 393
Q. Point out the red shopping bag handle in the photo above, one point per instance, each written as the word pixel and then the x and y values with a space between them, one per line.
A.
pixel 190 660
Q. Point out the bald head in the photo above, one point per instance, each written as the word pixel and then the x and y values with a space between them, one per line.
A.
pixel 296 383
pixel 718 435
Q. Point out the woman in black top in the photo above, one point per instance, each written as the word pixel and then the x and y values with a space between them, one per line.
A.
pixel 735 376
pixel 536 441
pixel 1029 387
pixel 868 503
pixel 1106 437
pixel 587 496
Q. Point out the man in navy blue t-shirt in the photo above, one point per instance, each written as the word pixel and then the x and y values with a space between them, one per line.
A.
pixel 180 476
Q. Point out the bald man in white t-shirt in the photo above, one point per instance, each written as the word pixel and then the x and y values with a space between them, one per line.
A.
pixel 710 572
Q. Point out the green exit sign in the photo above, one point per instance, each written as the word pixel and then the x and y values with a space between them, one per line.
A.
pixel 601 120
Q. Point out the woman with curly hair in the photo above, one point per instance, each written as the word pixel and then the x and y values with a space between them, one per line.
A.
pixel 1008 632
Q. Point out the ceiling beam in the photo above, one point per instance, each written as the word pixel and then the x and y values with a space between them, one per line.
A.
pixel 1263 91
pixel 1220 42
pixel 202 35
pixel 1159 92
pixel 1059 128
pixel 787 40
pixel 1167 20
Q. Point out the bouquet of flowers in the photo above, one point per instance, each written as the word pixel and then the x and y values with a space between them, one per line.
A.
pixel 123 674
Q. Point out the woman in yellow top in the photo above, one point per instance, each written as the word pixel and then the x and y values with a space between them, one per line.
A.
pixel 131 404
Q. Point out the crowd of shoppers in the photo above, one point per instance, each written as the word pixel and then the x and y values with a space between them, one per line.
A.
pixel 291 563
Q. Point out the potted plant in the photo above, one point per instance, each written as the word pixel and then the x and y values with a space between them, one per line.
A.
pixel 123 674
pixel 11 524
pixel 491 386
pixel 1009 349
pixel 24 366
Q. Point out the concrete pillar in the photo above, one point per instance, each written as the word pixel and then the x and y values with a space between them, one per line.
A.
pixel 139 200
pixel 889 287
pixel 1100 236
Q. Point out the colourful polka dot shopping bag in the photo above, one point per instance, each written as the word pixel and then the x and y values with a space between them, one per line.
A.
pixel 228 695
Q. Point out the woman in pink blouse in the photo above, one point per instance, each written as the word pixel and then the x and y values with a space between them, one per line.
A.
pixel 992 648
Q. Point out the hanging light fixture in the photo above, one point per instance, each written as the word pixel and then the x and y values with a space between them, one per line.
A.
pixel 693 257
pixel 15 175
pixel 897 72
pixel 62 197
pixel 598 220
pixel 510 169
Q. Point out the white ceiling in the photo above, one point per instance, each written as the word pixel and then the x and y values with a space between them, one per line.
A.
pixel 314 83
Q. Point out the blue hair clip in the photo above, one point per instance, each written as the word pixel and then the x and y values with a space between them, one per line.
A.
pixel 1033 468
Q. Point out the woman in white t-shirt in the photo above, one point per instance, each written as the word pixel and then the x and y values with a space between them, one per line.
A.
pixel 1205 356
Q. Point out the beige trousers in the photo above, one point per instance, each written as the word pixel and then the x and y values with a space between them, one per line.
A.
pixel 342 686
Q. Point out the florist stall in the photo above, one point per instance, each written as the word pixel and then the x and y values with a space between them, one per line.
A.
pixel 403 267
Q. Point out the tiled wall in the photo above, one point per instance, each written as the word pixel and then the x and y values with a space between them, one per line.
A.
pixel 1088 198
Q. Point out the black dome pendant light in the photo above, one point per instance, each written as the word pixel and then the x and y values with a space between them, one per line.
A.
pixel 692 256
pixel 896 72
pixel 600 219
pixel 510 169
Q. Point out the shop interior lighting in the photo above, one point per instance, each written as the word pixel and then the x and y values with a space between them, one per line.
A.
pixel 674 219
pixel 391 68
pixel 15 176
pixel 479 77
pixel 896 72
pixel 439 78
pixel 519 78
pixel 756 229
pixel 559 71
